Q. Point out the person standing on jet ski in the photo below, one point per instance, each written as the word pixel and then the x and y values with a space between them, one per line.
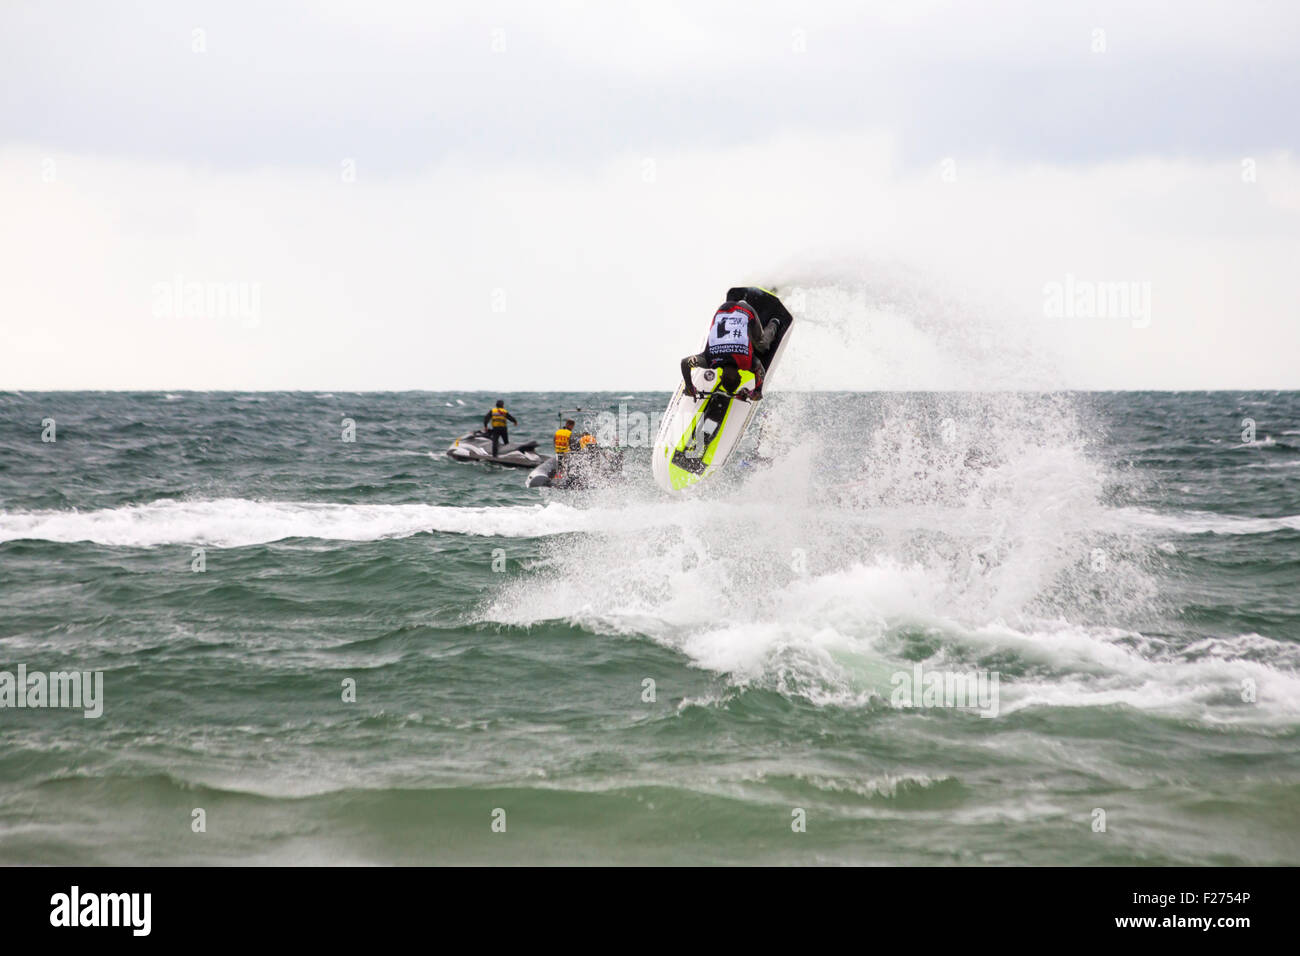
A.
pixel 495 423
pixel 741 334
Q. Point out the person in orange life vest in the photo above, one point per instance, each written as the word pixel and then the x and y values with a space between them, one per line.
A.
pixel 495 422
pixel 738 337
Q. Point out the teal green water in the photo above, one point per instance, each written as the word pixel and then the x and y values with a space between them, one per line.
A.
pixel 1125 564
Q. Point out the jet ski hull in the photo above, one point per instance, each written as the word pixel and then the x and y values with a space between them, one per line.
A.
pixel 477 446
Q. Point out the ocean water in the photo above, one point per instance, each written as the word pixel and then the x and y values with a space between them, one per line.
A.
pixel 621 676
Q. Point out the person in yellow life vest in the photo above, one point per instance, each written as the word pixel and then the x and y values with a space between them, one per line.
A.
pixel 495 423
pixel 586 440
pixel 562 436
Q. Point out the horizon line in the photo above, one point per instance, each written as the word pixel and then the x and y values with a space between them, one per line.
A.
pixel 554 391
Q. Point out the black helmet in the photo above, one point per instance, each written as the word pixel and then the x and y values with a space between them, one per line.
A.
pixel 500 402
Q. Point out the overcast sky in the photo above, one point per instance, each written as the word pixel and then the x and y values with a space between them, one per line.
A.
pixel 555 195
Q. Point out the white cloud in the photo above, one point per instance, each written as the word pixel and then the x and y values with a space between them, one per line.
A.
pixel 608 279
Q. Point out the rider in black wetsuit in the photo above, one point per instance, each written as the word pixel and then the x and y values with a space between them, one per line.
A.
pixel 741 336
pixel 495 422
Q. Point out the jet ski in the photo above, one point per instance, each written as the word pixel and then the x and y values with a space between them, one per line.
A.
pixel 581 469
pixel 697 435
pixel 477 446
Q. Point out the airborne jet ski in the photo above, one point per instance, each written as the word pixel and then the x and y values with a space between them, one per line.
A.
pixel 697 435
pixel 477 446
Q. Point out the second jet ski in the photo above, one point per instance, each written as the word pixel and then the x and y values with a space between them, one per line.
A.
pixel 477 446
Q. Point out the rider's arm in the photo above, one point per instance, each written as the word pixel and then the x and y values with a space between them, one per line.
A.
pixel 688 363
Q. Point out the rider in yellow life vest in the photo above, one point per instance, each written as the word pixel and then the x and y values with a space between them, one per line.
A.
pixel 495 422
pixel 562 436
pixel 585 440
